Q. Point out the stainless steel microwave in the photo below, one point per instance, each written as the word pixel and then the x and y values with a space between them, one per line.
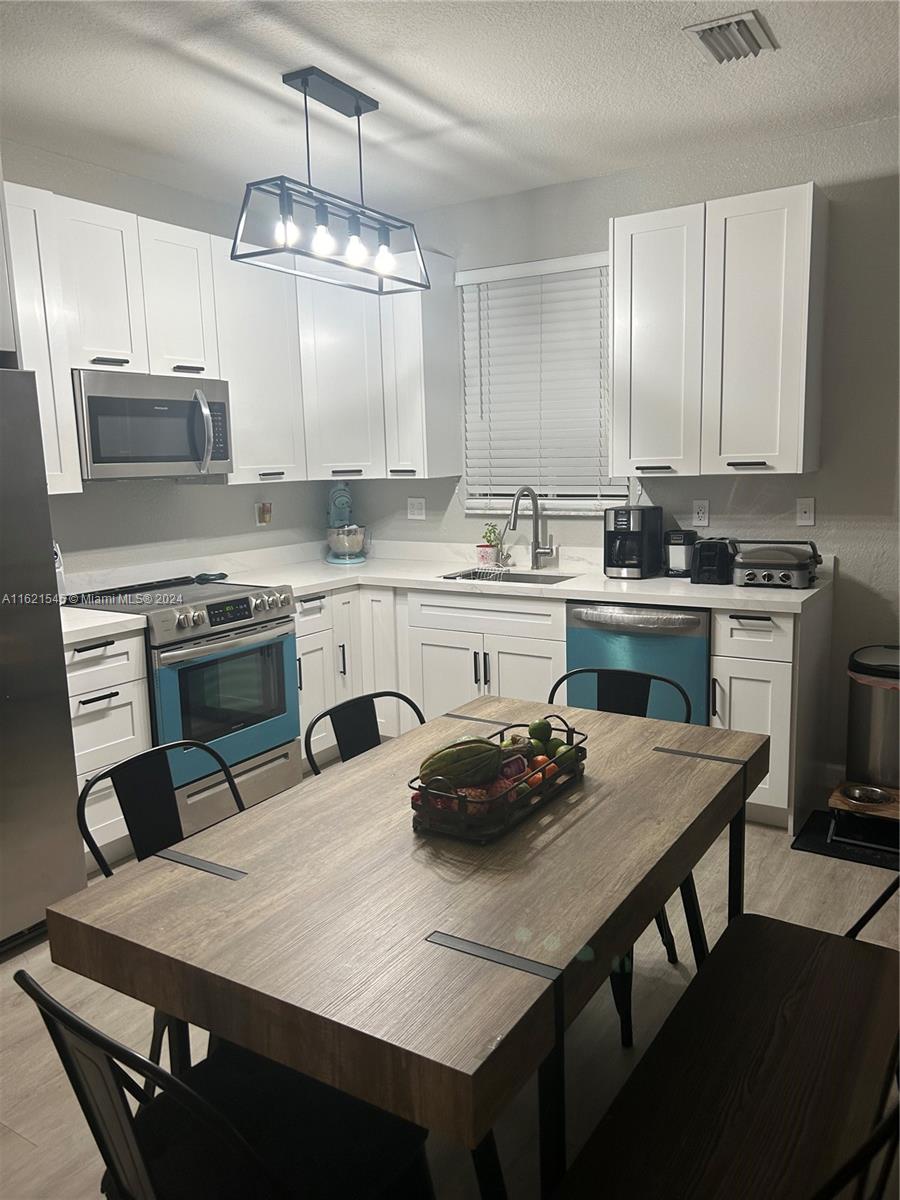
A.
pixel 140 426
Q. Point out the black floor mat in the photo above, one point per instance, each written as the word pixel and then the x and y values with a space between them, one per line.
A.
pixel 812 838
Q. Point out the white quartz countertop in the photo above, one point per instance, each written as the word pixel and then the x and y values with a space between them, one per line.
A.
pixel 81 624
pixel 588 583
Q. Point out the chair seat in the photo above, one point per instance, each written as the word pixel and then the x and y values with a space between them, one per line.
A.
pixel 769 1072
pixel 317 1141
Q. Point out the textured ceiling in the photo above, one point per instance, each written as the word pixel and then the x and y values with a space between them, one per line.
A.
pixel 478 99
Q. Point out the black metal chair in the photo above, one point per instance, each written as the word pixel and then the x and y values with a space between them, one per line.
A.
pixel 146 795
pixel 355 725
pixel 235 1126
pixel 628 693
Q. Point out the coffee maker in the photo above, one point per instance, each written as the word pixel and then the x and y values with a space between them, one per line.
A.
pixel 633 541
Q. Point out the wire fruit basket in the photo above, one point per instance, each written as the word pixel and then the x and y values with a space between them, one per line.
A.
pixel 440 808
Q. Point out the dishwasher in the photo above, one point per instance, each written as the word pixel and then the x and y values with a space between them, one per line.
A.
pixel 672 642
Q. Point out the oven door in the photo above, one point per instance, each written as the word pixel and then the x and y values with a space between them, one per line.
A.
pixel 151 425
pixel 237 692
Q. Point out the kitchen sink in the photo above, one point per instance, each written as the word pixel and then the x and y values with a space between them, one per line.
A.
pixel 503 575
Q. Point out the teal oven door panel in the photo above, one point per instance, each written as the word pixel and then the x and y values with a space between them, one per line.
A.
pixel 242 701
pixel 670 642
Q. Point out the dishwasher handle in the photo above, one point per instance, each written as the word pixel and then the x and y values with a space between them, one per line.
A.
pixel 638 620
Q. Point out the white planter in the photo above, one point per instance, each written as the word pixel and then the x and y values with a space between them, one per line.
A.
pixel 487 556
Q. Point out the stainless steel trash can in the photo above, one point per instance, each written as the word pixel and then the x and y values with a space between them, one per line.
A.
pixel 873 722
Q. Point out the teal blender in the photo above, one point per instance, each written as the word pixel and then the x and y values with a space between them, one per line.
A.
pixel 345 540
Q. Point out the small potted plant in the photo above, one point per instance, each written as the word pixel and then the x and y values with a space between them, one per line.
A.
pixel 488 551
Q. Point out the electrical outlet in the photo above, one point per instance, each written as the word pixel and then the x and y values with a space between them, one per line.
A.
pixel 415 508
pixel 806 511
pixel 701 512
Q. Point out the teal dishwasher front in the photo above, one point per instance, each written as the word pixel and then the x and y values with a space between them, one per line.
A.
pixel 671 642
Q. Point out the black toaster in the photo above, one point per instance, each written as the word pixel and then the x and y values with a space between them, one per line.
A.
pixel 713 561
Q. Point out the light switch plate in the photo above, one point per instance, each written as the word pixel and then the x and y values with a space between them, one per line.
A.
pixel 700 513
pixel 415 508
pixel 806 511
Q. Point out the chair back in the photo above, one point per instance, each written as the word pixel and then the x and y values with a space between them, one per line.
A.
pixel 355 725
pixel 146 795
pixel 94 1064
pixel 626 692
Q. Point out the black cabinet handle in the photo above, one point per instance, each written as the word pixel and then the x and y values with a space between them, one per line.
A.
pixel 402 471
pixel 271 474
pixel 300 674
pixel 188 370
pixel 343 649
pixel 746 617
pixel 94 646
pixel 310 599
pixel 346 470
pixel 102 361
pixel 97 699
pixel 477 667
pixel 755 463
pixel 487 669
pixel 713 707
pixel 662 467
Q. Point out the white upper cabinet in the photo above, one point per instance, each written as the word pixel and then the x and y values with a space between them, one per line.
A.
pixel 34 254
pixel 259 356
pixel 343 404
pixel 657 342
pixel 763 331
pixel 102 286
pixel 178 297
pixel 422 388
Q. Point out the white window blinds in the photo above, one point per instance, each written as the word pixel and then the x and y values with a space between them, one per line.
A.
pixel 536 391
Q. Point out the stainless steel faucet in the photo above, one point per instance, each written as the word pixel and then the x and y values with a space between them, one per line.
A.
pixel 537 550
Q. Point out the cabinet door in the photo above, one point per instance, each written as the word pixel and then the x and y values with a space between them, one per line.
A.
pixel 102 286
pixel 316 679
pixel 754 341
pixel 43 348
pixel 347 639
pixel 259 356
pixel 523 668
pixel 178 296
pixel 657 342
pixel 404 385
pixel 755 697
pixel 343 399
pixel 445 669
pixel 378 653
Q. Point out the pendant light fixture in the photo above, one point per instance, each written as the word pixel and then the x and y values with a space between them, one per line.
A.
pixel 291 226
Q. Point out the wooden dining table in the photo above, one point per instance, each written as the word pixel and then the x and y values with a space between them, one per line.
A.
pixel 429 976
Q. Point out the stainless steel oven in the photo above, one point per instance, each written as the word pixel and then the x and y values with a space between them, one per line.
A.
pixel 132 425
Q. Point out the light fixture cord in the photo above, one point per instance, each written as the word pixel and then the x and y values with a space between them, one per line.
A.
pixel 362 198
pixel 306 124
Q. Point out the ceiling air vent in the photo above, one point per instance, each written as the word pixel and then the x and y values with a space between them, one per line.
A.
pixel 731 38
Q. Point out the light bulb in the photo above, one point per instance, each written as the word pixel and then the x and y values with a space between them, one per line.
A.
pixel 357 252
pixel 323 242
pixel 384 260
pixel 286 234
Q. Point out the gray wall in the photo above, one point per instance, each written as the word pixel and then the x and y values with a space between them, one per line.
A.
pixel 856 488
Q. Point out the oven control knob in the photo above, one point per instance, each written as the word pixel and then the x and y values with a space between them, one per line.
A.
pixel 785 577
pixel 198 618
pixel 257 603
pixel 285 598
pixel 768 577
pixel 272 600
pixel 183 620
pixel 749 576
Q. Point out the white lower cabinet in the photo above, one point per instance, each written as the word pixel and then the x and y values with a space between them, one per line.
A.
pixel 347 657
pixel 110 725
pixel 445 669
pixel 755 696
pixel 378 653
pixel 523 668
pixel 316 679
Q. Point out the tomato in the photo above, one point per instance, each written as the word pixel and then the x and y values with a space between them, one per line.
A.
pixel 540 760
pixel 550 770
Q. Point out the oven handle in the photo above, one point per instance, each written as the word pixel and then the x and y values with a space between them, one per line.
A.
pixel 166 658
pixel 207 430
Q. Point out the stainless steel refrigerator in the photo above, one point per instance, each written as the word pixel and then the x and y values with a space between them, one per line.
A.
pixel 41 852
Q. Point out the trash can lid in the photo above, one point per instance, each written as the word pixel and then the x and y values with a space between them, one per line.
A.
pixel 883 661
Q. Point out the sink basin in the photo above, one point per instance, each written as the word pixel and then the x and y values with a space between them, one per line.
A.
pixel 502 575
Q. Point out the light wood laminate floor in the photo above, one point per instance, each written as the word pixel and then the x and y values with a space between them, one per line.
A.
pixel 46 1152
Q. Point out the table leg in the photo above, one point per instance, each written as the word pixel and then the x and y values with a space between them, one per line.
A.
pixel 694 919
pixel 552 1101
pixel 736 841
pixel 491 1184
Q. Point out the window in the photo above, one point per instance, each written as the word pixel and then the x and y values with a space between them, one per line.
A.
pixel 535 363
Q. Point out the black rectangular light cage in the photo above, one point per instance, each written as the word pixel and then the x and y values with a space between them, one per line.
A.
pixel 290 226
